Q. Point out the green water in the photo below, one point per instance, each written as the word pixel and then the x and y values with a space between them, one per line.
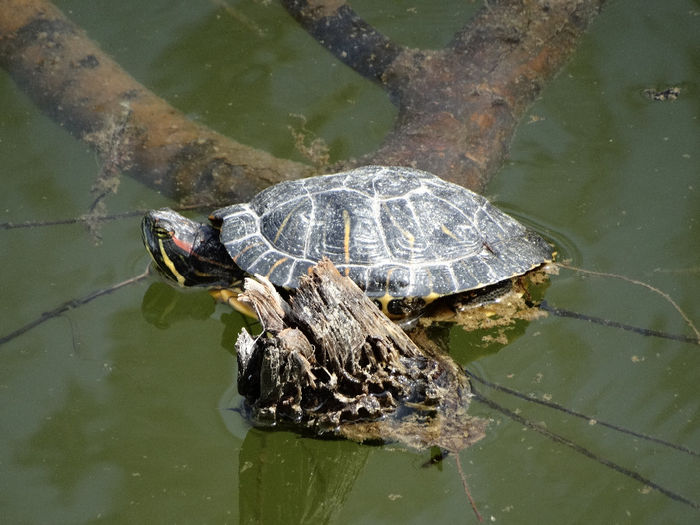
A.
pixel 119 410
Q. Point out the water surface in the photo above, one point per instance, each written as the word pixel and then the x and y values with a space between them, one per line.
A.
pixel 119 410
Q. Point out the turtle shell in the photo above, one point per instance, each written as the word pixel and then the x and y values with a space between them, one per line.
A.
pixel 397 232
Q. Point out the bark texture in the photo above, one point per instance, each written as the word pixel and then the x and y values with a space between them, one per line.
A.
pixel 330 362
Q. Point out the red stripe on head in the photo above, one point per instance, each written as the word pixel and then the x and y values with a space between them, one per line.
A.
pixel 183 245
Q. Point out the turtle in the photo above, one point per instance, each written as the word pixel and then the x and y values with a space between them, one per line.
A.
pixel 404 236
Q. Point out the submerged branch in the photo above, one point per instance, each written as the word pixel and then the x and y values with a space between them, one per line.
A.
pixel 590 419
pixel 648 286
pixel 342 32
pixel 85 91
pixel 69 305
pixel 459 106
pixel 648 332
pixel 558 438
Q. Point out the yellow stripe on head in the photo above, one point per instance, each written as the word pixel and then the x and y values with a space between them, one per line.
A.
pixel 171 266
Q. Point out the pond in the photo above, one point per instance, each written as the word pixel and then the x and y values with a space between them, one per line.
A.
pixel 121 409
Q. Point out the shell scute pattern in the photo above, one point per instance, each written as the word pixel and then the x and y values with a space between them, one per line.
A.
pixel 343 228
pixel 395 231
pixel 441 279
pixel 399 185
pixel 285 225
pixel 402 234
pixel 242 222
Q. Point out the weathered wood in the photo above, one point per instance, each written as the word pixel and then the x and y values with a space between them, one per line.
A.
pixel 329 362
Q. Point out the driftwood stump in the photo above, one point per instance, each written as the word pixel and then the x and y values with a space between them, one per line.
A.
pixel 329 362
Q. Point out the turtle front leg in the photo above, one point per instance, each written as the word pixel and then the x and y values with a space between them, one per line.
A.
pixel 230 297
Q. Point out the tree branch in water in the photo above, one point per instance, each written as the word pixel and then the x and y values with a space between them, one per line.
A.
pixel 458 106
pixel 85 91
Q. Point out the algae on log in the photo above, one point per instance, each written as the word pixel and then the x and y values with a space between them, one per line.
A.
pixel 329 362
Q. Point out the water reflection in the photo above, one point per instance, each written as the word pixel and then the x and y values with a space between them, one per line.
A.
pixel 287 479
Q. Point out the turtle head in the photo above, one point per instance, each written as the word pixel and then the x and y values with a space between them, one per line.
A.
pixel 187 252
